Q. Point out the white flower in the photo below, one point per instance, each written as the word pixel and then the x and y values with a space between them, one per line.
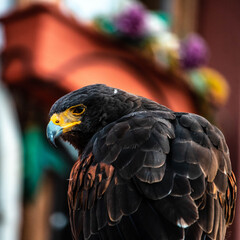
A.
pixel 168 41
pixel 167 45
pixel 154 25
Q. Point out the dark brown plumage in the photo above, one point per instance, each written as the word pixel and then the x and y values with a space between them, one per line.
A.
pixel 144 171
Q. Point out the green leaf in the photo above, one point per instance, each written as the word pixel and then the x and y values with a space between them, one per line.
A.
pixel 106 25
pixel 198 82
pixel 163 16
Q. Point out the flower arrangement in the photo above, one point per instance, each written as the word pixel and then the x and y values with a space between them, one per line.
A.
pixel 149 33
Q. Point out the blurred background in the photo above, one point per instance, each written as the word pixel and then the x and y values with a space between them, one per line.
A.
pixel 184 54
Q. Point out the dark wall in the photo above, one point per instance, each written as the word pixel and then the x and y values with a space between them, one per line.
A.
pixel 219 24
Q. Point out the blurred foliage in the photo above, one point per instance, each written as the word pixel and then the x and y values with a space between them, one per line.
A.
pixel 40 156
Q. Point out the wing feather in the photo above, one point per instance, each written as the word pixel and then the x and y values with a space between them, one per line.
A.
pixel 156 175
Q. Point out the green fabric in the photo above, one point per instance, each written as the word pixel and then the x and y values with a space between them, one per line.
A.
pixel 39 156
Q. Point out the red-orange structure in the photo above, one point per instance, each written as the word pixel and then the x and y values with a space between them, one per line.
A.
pixel 44 46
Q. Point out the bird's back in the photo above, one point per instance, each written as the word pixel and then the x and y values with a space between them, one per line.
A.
pixel 153 175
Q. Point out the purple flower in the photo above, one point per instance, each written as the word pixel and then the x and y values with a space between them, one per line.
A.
pixel 193 52
pixel 131 22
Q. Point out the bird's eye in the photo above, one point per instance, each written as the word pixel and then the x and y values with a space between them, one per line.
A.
pixel 78 110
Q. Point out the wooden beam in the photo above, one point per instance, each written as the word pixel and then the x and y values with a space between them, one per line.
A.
pixel 185 15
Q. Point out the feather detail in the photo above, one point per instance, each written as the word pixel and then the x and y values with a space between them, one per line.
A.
pixel 177 169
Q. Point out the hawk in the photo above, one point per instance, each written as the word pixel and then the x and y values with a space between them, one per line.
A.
pixel 144 171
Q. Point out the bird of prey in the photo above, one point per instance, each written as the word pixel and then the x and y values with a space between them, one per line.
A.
pixel 144 171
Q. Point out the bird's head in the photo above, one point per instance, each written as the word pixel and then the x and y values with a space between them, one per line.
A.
pixel 77 116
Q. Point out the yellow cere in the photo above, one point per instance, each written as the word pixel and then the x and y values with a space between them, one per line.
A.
pixel 69 117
